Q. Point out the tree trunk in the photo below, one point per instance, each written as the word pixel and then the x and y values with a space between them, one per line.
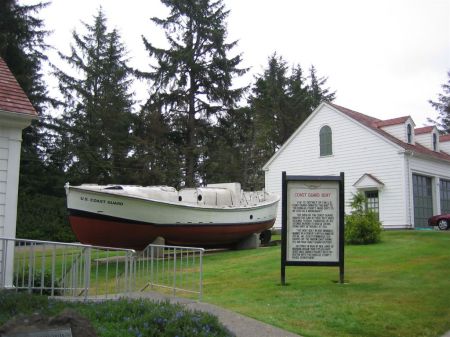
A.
pixel 190 148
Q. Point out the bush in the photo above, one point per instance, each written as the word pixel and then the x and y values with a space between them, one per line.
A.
pixel 125 318
pixel 43 217
pixel 23 278
pixel 362 226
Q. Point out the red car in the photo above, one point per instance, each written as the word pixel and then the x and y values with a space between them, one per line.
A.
pixel 441 220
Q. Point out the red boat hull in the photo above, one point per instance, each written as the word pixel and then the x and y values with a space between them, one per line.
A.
pixel 107 231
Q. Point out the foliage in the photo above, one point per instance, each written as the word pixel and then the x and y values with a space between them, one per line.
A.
pixel 362 225
pixel 190 131
pixel 43 217
pixel 362 228
pixel 120 318
pixel 22 46
pixel 97 109
pixel 398 287
pixel 193 77
pixel 282 101
pixel 245 138
pixel 231 150
pixel 36 280
pixel 442 105
pixel 156 148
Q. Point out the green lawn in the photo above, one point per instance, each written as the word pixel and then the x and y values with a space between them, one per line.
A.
pixel 399 287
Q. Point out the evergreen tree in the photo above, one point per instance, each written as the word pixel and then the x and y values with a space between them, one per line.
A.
pixel 193 77
pixel 300 103
pixel 269 101
pixel 156 153
pixel 22 46
pixel 442 105
pixel 281 100
pixel 232 154
pixel 317 91
pixel 97 117
pixel 41 211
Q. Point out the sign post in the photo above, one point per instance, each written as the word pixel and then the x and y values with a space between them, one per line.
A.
pixel 312 222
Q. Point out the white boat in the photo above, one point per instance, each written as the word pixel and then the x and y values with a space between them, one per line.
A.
pixel 134 216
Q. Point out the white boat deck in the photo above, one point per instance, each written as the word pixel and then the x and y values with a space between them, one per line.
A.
pixel 216 195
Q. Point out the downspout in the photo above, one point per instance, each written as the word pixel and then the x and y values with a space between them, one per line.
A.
pixel 408 155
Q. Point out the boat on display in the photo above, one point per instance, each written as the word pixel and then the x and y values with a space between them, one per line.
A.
pixel 126 216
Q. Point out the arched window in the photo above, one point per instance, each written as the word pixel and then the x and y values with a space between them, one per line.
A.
pixel 434 142
pixel 409 133
pixel 326 144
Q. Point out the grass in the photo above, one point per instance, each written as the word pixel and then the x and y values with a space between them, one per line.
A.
pixel 399 287
pixel 69 262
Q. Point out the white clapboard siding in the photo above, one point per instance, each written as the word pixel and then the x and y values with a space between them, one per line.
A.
pixel 400 131
pixel 426 139
pixel 432 168
pixel 3 177
pixel 375 155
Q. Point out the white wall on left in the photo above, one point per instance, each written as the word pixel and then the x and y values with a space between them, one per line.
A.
pixel 10 145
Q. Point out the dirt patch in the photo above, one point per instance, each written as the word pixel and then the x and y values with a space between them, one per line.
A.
pixel 68 319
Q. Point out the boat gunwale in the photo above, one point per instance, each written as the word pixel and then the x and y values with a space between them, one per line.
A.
pixel 87 214
pixel 263 204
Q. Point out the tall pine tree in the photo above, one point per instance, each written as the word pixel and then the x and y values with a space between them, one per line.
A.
pixel 22 46
pixel 41 210
pixel 97 106
pixel 442 106
pixel 270 101
pixel 156 150
pixel 317 91
pixel 232 151
pixel 193 76
pixel 282 98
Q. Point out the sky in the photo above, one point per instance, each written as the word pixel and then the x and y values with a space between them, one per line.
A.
pixel 384 58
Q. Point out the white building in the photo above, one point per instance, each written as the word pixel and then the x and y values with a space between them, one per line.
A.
pixel 16 113
pixel 404 171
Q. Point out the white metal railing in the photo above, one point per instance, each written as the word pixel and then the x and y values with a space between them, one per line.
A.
pixel 67 269
pixel 176 269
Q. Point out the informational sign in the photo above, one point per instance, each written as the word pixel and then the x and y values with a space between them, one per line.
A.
pixel 312 222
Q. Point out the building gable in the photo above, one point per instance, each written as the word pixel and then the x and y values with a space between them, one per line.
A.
pixel 360 120
pixel 367 181
pixel 15 107
pixel 428 136
pixel 356 149
pixel 413 148
pixel 373 159
pixel 12 97
pixel 444 142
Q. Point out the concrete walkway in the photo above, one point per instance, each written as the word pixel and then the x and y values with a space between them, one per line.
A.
pixel 240 325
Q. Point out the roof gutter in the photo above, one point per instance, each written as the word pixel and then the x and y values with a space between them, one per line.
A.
pixel 16 119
